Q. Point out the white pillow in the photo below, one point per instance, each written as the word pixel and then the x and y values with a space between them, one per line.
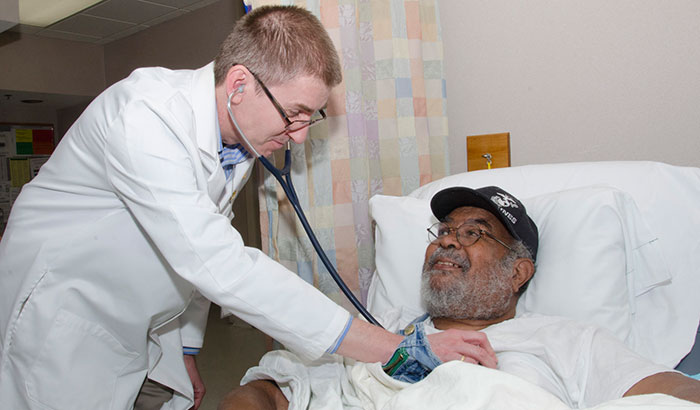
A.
pixel 400 240
pixel 584 255
pixel 581 262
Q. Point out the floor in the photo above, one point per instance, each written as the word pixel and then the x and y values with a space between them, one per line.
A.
pixel 231 347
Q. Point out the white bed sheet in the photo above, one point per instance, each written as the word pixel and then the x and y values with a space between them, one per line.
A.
pixel 333 385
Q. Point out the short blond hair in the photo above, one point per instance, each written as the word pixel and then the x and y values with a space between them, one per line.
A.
pixel 278 44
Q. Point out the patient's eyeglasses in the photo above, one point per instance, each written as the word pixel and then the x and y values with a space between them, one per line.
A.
pixel 467 234
pixel 295 125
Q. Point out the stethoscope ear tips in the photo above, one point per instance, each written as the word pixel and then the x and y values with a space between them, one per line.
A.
pixel 236 91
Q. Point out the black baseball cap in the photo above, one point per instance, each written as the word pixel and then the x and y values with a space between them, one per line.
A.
pixel 507 208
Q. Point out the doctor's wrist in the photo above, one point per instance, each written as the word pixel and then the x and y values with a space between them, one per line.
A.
pixel 190 351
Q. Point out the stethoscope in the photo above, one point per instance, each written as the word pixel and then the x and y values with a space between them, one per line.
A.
pixel 283 176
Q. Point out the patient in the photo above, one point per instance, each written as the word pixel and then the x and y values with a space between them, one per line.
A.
pixel 480 260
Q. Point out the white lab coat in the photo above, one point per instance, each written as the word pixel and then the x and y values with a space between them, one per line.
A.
pixel 125 225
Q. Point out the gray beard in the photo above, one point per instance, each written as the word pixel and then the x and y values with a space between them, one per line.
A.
pixel 467 296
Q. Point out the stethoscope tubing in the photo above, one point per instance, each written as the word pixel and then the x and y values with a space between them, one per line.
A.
pixel 283 176
pixel 289 190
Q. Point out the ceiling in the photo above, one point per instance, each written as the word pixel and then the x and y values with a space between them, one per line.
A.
pixel 102 23
pixel 111 20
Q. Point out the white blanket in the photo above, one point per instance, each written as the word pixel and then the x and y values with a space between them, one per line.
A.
pixel 330 384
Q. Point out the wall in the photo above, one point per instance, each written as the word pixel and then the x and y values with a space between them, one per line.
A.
pixel 575 80
pixel 65 118
pixel 66 74
pixel 190 41
pixel 27 114
pixel 52 66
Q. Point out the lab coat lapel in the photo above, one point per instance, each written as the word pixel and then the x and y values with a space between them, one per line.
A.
pixel 243 171
pixel 221 193
pixel 204 104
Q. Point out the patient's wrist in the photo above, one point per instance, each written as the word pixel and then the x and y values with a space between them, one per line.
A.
pixel 413 360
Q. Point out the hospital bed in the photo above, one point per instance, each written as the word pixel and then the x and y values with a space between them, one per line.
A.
pixel 619 247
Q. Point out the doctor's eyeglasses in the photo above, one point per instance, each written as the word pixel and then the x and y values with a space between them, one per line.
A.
pixel 295 125
pixel 467 234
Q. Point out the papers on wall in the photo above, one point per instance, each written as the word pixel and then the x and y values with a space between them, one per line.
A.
pixel 4 168
pixel 5 204
pixel 24 148
pixel 35 164
pixel 4 192
pixel 20 171
pixel 7 143
pixel 18 140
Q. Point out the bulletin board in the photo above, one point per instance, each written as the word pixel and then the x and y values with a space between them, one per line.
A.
pixel 24 148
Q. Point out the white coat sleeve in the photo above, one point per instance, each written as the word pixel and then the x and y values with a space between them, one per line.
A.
pixel 193 321
pixel 155 169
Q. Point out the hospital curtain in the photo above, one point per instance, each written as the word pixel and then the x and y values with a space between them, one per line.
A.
pixel 386 134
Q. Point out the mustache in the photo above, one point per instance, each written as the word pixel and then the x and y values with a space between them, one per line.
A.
pixel 446 253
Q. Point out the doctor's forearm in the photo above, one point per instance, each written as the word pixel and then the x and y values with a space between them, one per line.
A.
pixel 368 343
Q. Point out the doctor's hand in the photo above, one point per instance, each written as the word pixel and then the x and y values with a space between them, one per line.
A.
pixel 466 345
pixel 197 383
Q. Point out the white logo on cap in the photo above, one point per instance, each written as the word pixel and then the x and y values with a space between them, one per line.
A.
pixel 505 201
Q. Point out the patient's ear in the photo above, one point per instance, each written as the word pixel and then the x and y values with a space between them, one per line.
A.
pixel 523 269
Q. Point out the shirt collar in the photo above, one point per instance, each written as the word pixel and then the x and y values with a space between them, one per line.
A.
pixel 236 151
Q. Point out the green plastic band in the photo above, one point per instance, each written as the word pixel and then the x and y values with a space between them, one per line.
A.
pixel 396 360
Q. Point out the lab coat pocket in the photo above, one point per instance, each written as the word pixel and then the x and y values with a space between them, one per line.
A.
pixel 77 366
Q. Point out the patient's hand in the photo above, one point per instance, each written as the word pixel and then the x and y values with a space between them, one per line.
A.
pixel 467 345
pixel 368 343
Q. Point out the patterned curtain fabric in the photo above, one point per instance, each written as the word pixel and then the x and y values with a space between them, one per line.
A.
pixel 386 134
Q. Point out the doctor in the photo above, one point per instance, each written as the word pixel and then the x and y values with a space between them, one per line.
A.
pixel 113 251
